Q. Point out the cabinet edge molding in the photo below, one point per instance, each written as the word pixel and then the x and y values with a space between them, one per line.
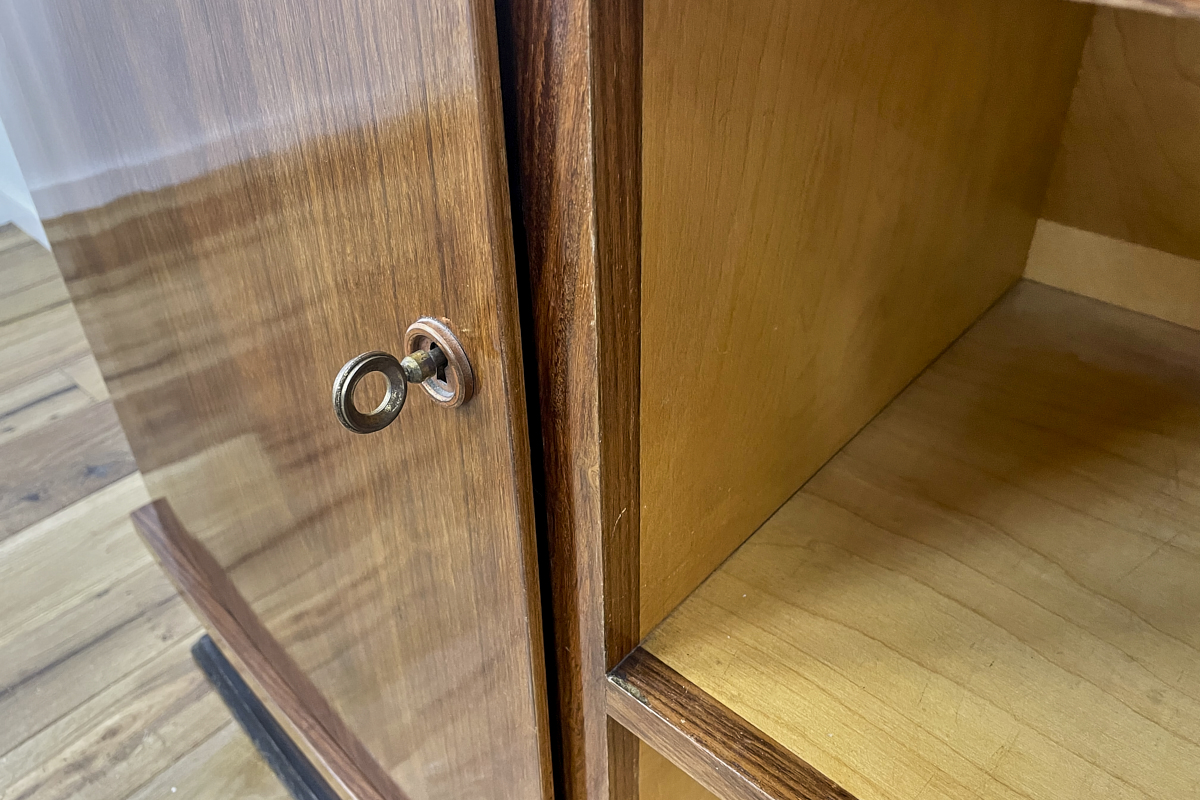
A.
pixel 716 747
pixel 578 70
pixel 272 675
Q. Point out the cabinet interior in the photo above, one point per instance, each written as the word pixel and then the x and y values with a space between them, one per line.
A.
pixel 985 583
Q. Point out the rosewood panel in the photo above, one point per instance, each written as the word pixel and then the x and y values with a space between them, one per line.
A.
pixel 242 196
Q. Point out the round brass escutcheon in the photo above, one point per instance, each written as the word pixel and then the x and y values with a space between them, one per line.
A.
pixel 347 379
pixel 454 384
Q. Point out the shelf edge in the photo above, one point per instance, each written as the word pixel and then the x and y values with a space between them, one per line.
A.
pixel 703 737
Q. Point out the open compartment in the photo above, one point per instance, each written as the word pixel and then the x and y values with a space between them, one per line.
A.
pixel 920 299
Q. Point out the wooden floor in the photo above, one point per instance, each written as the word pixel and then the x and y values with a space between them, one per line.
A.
pixel 100 699
pixel 993 591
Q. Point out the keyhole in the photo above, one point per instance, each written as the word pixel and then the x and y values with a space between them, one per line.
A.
pixel 441 370
pixel 369 393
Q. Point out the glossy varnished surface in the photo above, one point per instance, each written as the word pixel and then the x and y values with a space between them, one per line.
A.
pixel 285 691
pixel 993 590
pixel 242 196
pixel 1168 8
pixel 98 696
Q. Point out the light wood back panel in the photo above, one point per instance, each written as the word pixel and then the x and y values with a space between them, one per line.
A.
pixel 1129 275
pixel 1128 165
pixel 832 191
pixel 263 191
pixel 1122 212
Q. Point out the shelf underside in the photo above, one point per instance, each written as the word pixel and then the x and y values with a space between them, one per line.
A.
pixel 993 591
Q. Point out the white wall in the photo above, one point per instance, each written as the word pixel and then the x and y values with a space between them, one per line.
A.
pixel 16 205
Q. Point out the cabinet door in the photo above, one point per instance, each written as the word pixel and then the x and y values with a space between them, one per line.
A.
pixel 243 195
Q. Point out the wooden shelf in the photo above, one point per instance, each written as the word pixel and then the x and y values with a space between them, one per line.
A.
pixel 993 591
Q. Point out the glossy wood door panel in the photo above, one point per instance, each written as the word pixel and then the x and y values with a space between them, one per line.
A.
pixel 242 196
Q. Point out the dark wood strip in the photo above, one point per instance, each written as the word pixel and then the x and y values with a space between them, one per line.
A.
pixel 577 70
pixel 263 662
pixel 616 71
pixel 617 128
pixel 54 466
pixel 727 755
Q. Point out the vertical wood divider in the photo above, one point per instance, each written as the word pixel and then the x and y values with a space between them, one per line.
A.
pixel 578 95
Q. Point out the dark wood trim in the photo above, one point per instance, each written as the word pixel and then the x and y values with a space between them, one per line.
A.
pixel 578 97
pixel 617 132
pixel 723 752
pixel 512 349
pixel 260 659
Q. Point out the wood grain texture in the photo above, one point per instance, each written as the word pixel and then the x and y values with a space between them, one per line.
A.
pixel 226 766
pixel 618 118
pixel 10 236
pixel 579 144
pixel 86 618
pixel 25 264
pixel 33 404
pixel 205 585
pixel 832 192
pixel 86 374
pixel 1125 274
pixel 40 333
pixel 51 467
pixel 120 739
pixel 730 757
pixel 73 554
pixel 991 591
pixel 243 197
pixel 1128 166
pixel 659 777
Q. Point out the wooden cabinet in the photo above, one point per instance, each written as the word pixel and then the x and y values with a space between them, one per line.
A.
pixel 836 430
pixel 242 197
pixel 900 501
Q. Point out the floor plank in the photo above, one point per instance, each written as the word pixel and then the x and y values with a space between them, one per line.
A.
pixel 70 557
pixel 34 345
pixel 120 739
pixel 35 403
pixel 65 461
pixel 224 767
pixel 26 264
pixel 99 698
pixel 44 697
pixel 11 236
pixel 29 301
pixel 57 637
pixel 86 374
